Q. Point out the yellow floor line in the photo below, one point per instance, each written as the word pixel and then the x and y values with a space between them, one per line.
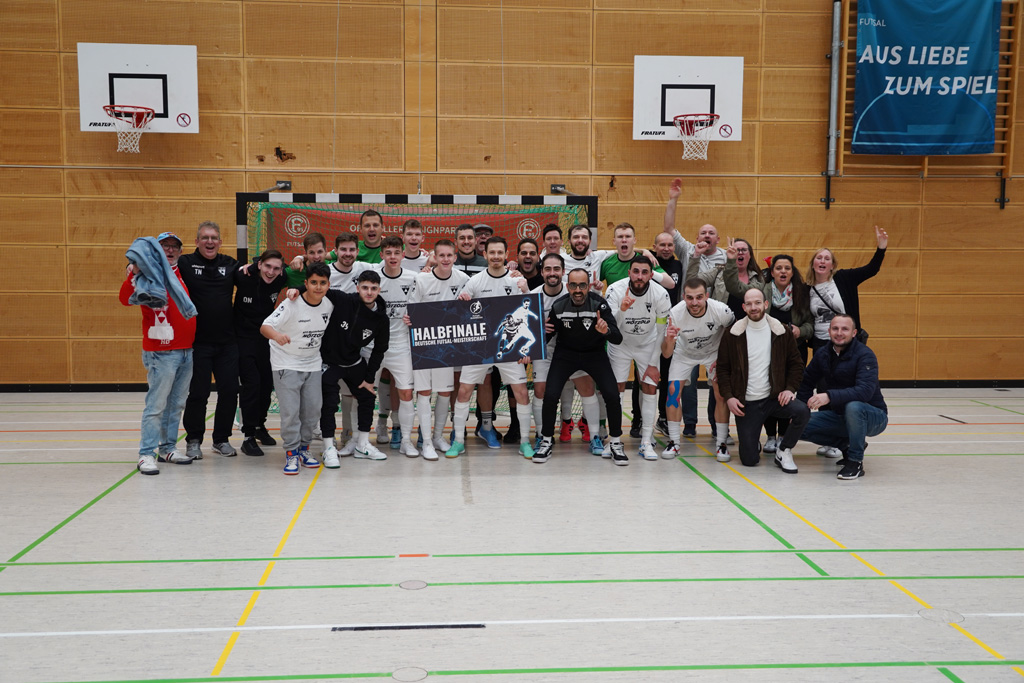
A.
pixel 222 660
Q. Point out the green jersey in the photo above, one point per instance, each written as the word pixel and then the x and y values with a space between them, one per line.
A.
pixel 368 254
pixel 614 269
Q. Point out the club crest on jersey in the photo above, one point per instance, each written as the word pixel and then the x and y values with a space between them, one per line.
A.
pixel 587 323
pixel 222 270
pixel 366 333
pixel 508 290
pixel 326 317
pixel 405 289
pixel 648 306
pixel 455 290
pixel 710 325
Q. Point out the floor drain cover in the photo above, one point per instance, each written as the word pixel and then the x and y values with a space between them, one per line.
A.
pixel 413 586
pixel 943 616
pixel 409 673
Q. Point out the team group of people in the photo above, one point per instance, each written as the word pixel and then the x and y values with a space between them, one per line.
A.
pixel 330 329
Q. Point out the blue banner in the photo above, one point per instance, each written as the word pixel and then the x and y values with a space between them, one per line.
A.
pixel 927 76
pixel 499 329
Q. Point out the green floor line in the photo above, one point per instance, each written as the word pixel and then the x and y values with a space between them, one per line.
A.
pixel 950 675
pixel 1015 412
pixel 517 582
pixel 781 666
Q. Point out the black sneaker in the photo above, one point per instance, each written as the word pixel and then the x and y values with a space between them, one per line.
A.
pixel 264 437
pixel 618 454
pixel 690 431
pixel 544 452
pixel 511 436
pixel 634 430
pixel 661 426
pixel 851 470
pixel 250 447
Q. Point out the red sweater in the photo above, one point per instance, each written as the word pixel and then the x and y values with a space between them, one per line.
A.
pixel 163 329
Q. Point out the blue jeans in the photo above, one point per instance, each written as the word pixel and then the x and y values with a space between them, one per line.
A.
pixel 168 374
pixel 849 431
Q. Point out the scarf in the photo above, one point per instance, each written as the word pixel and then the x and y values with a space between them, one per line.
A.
pixel 782 300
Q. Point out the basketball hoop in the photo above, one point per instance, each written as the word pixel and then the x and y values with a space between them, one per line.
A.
pixel 130 123
pixel 695 131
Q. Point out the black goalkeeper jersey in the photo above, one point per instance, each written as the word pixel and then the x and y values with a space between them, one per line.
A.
pixel 576 326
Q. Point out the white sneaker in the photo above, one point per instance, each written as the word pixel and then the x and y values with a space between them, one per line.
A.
pixel 607 452
pixel 383 433
pixel 441 444
pixel 408 450
pixel 771 445
pixel 349 448
pixel 175 457
pixel 368 451
pixel 671 451
pixel 647 451
pixel 428 452
pixel 784 461
pixel 331 458
pixel 729 441
pixel 722 453
pixel 830 452
pixel 147 464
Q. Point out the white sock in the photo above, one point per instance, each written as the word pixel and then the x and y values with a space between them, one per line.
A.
pixel 525 412
pixel 591 411
pixel 384 399
pixel 328 442
pixel 615 439
pixel 441 414
pixel 566 400
pixel 362 438
pixel 406 418
pixel 648 413
pixel 538 413
pixel 426 419
pixel 721 431
pixel 459 421
pixel 485 420
pixel 673 431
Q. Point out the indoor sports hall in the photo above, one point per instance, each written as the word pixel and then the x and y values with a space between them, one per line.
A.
pixel 271 118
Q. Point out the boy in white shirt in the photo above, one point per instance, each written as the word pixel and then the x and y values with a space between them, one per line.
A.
pixel 295 330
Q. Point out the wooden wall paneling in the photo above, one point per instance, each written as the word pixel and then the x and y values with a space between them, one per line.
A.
pixel 34 315
pixel 649 219
pixel 897 358
pixel 960 191
pixel 968 315
pixel 34 220
pixel 21 182
pixel 277 86
pixel 421 143
pixel 899 273
pixel 841 228
pixel 556 92
pixel 107 360
pixel 519 4
pixel 102 268
pixel 475 35
pixel 420 87
pixel 613 92
pixel 310 30
pixel 677 5
pixel 34 360
pixel 970 359
pixel 102 315
pixel 218 145
pixel 361 143
pixel 116 222
pixel 960 271
pixel 530 184
pixel 720 190
pixel 888 315
pixel 30 136
pixel 797 39
pixel 482 145
pixel 621 35
pixel 30 79
pixel 801 6
pixel 615 151
pixel 972 227
pixel 374 183
pixel 214 27
pixel 794 94
pixel 28 25
pixel 14 262
pixel 794 148
pixel 109 183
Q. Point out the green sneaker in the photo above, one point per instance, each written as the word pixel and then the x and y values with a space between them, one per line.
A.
pixel 526 450
pixel 457 448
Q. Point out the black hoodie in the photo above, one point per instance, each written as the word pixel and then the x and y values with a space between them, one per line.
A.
pixel 353 326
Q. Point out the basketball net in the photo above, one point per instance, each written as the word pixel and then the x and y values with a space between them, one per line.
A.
pixel 130 122
pixel 695 131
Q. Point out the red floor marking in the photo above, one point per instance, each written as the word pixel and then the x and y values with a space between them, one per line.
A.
pixel 415 555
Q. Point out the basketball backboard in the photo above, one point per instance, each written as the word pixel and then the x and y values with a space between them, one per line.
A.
pixel 161 77
pixel 664 87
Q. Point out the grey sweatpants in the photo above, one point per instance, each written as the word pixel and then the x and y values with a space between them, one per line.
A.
pixel 299 399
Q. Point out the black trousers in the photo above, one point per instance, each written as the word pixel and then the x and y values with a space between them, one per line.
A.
pixel 220 360
pixel 255 383
pixel 595 364
pixel 352 376
pixel 748 427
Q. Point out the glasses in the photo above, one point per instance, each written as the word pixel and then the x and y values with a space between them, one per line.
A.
pixel 577 285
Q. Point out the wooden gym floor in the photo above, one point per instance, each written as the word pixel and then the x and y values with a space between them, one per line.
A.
pixel 491 568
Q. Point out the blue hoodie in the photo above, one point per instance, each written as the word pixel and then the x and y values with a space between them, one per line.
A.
pixel 156 279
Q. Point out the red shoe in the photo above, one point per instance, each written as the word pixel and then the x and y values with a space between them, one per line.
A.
pixel 566 433
pixel 584 428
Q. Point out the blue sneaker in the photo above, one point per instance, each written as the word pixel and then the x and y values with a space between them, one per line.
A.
pixel 491 437
pixel 307 460
pixel 396 438
pixel 526 450
pixel 457 447
pixel 291 462
pixel 536 445
pixel 596 446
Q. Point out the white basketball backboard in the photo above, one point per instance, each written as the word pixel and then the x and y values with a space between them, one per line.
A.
pixel 664 87
pixel 161 77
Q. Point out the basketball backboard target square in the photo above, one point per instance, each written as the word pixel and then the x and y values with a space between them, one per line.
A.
pixel 665 87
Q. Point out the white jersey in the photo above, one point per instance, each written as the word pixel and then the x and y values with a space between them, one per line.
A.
pixel 590 263
pixel 396 291
pixel 483 285
pixel 414 264
pixel 643 324
pixel 699 338
pixel 429 287
pixel 304 325
pixel 684 250
pixel 346 282
pixel 546 301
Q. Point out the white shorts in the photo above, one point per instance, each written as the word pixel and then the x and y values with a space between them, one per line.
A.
pixel 680 369
pixel 622 357
pixel 434 379
pixel 399 363
pixel 540 371
pixel 511 373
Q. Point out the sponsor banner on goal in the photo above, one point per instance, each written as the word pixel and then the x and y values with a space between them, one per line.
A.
pixel 927 77
pixel 499 329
